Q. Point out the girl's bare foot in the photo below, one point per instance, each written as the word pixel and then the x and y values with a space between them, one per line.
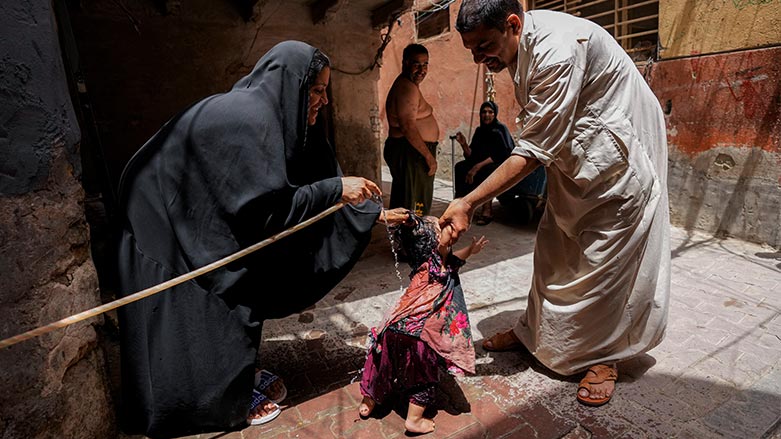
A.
pixel 366 407
pixel 415 422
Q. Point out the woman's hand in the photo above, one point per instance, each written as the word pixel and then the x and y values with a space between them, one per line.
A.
pixel 395 216
pixel 461 138
pixel 357 189
pixel 470 176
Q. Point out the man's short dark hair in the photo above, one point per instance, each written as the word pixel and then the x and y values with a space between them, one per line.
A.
pixel 491 13
pixel 412 50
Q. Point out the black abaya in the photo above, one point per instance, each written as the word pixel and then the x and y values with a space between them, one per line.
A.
pixel 227 172
pixel 489 140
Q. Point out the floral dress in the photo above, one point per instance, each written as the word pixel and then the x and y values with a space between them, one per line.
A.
pixel 428 327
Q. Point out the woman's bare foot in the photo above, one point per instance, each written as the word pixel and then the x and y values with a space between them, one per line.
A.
pixel 415 422
pixel 261 411
pixel 276 390
pixel 366 407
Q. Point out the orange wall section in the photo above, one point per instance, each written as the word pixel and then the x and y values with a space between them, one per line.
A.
pixel 730 99
pixel 724 139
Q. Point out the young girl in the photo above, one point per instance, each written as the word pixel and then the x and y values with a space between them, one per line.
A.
pixel 427 328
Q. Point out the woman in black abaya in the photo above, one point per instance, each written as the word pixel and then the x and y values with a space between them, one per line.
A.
pixel 491 145
pixel 227 172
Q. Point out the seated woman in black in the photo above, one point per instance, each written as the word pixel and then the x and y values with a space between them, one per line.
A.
pixel 491 145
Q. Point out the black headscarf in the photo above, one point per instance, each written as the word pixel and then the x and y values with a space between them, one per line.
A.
pixel 227 172
pixel 492 105
pixel 491 140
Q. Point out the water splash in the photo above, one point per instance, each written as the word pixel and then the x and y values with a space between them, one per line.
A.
pixel 384 216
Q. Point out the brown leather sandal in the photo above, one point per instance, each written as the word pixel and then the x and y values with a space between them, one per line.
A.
pixel 597 374
pixel 483 220
pixel 502 341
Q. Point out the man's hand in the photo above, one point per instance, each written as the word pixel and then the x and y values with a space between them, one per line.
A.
pixel 357 189
pixel 432 166
pixel 458 216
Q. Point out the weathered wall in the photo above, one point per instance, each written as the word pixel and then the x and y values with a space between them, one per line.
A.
pixel 53 386
pixel 724 122
pixel 689 27
pixel 143 67
pixel 453 85
pixel 724 133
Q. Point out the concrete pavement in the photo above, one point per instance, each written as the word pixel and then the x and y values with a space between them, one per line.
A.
pixel 716 374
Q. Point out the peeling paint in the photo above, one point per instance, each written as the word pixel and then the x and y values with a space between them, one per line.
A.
pixel 731 101
pixel 726 162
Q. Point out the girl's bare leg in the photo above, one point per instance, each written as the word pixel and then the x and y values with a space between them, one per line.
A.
pixel 415 422
pixel 366 407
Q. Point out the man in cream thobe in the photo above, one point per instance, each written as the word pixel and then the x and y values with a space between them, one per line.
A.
pixel 599 292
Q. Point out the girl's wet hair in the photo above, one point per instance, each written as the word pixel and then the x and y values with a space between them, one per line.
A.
pixel 418 238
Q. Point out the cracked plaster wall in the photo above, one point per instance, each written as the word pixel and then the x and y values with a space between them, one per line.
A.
pixel 724 136
pixel 55 385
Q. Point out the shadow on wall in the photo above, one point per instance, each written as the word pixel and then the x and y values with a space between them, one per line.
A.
pixel 737 201
pixel 704 193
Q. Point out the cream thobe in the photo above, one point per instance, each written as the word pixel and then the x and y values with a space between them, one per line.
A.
pixel 601 279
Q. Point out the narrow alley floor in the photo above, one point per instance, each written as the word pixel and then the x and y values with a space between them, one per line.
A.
pixel 716 374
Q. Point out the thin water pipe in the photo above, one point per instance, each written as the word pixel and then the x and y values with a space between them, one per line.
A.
pixel 453 164
pixel 167 284
pixel 474 100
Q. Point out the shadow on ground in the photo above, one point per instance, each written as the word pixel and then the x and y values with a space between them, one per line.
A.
pixel 713 377
pixel 513 397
